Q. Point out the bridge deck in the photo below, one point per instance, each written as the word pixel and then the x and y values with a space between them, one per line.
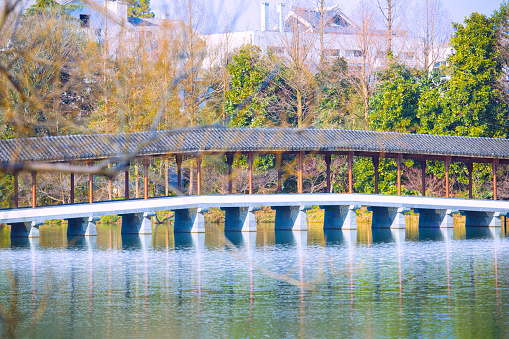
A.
pixel 255 200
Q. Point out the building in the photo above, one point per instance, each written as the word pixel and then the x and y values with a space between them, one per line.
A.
pixel 317 34
pixel 108 23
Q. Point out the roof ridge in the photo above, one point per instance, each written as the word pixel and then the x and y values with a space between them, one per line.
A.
pixel 293 129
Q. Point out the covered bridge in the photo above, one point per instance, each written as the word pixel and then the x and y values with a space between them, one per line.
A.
pixel 63 153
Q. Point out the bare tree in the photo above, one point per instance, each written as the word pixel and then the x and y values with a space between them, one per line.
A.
pixel 368 53
pixel 321 6
pixel 390 10
pixel 433 30
pixel 294 58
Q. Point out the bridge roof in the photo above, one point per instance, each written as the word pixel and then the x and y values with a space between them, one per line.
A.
pixel 210 140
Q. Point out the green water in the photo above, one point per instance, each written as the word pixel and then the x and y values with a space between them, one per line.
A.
pixel 315 284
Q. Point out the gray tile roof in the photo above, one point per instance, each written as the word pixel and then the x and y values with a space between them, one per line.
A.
pixel 94 146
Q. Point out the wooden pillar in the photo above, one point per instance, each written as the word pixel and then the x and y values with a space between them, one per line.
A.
pixel 250 160
pixel 376 161
pixel 16 190
pixel 145 177
pixel 398 161
pixel 178 160
pixel 137 179
pixel 447 163
pixel 350 172
pixel 494 165
pixel 198 174
pixel 90 185
pixel 279 160
pixel 229 161
pixel 166 179
pixel 110 193
pixel 470 167
pixel 72 188
pixel 327 163
pixel 423 177
pixel 126 183
pixel 301 181
pixel 34 194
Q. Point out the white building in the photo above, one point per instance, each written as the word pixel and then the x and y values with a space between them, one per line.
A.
pixel 107 22
pixel 438 59
pixel 301 28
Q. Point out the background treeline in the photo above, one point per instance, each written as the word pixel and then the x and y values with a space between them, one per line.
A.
pixel 57 80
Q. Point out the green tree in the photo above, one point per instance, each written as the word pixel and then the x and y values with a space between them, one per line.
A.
pixel 139 9
pixel 468 104
pixel 333 93
pixel 243 106
pixel 395 101
pixel 51 6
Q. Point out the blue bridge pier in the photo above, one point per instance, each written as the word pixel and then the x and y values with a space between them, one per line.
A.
pixel 240 212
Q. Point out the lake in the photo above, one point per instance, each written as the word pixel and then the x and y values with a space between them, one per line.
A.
pixel 312 284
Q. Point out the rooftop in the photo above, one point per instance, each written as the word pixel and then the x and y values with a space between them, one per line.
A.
pixel 263 140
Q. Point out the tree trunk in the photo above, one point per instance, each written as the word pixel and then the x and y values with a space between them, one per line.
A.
pixel 389 25
pixel 299 108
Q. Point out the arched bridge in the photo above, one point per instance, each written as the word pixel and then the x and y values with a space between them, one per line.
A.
pixel 110 154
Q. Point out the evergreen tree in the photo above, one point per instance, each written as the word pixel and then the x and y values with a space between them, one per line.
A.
pixel 243 106
pixel 395 101
pixel 468 104
pixel 333 93
pixel 139 9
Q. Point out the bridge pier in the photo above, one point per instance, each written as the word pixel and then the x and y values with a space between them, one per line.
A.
pixel 435 218
pixel 340 217
pixel 483 219
pixel 388 217
pixel 82 226
pixel 137 223
pixel 26 229
pixel 240 219
pixel 291 218
pixel 190 220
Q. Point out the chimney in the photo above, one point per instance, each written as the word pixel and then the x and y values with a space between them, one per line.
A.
pixel 281 17
pixel 264 16
pixel 119 8
pixel 165 16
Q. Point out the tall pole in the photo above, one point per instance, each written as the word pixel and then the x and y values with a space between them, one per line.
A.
pixel 470 167
pixel 279 160
pixel 90 185
pixel 301 181
pixel 137 179
pixel 229 160
pixel 126 182
pixel 34 195
pixel 494 165
pixel 398 160
pixel 72 188
pixel 376 161
pixel 250 160
pixel 350 172
pixel 110 193
pixel 327 163
pixel 16 194
pixel 198 174
pixel 166 179
pixel 178 160
pixel 145 178
pixel 447 163
pixel 423 177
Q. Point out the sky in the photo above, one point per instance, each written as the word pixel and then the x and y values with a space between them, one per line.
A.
pixel 247 12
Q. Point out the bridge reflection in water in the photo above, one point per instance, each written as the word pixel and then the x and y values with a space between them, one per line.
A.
pixel 119 280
